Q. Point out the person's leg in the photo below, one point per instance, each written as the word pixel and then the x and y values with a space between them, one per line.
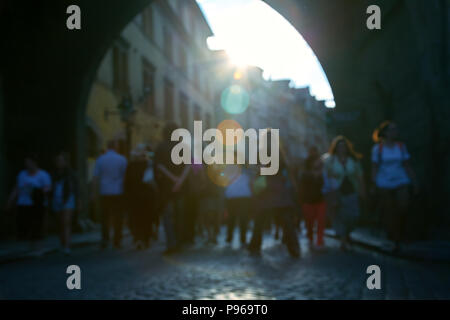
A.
pixel 22 223
pixel 106 220
pixel 350 214
pixel 147 214
pixel 214 224
pixel 66 227
pixel 276 224
pixel 402 201
pixel 36 219
pixel 290 235
pixel 387 206
pixel 193 219
pixel 183 234
pixel 179 220
pixel 167 220
pixel 118 220
pixel 210 225
pixel 308 213
pixel 340 221
pixel 28 221
pixel 321 209
pixel 243 213
pixel 231 221
pixel 135 214
pixel 256 240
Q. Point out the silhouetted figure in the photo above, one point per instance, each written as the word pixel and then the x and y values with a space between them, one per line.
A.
pixel 343 167
pixel 276 198
pixel 139 197
pixel 170 179
pixel 312 199
pixel 64 198
pixel 109 174
pixel 210 203
pixel 30 195
pixel 393 177
pixel 238 203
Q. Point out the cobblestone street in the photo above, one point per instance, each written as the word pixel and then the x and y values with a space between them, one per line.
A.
pixel 223 272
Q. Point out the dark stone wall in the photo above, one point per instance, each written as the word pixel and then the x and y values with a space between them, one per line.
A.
pixel 399 73
pixel 48 72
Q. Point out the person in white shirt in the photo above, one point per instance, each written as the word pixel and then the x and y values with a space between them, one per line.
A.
pixel 109 174
pixel 392 176
pixel 30 195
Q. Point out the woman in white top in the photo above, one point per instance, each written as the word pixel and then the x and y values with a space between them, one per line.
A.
pixel 343 169
pixel 392 176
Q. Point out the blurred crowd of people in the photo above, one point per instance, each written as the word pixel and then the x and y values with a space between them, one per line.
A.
pixel 147 189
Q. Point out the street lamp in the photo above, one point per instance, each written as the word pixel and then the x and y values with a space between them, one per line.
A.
pixel 126 112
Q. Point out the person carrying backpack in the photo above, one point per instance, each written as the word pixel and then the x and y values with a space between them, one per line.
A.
pixel 393 178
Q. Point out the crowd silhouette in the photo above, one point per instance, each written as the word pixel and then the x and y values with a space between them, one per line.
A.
pixel 145 191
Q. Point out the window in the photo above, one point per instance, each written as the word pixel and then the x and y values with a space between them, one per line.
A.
pixel 208 120
pixel 120 68
pixel 184 110
pixel 197 113
pixel 148 75
pixel 183 59
pixel 199 80
pixel 169 101
pixel 195 76
pixel 187 17
pixel 207 91
pixel 147 17
pixel 168 46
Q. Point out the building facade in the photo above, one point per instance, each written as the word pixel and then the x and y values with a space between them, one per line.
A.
pixel 154 73
pixel 272 104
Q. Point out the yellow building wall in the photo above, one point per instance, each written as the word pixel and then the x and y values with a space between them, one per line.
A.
pixel 144 128
pixel 103 99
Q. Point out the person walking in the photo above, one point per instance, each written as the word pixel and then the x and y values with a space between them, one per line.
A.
pixel 238 203
pixel 343 166
pixel 30 195
pixel 392 178
pixel 312 199
pixel 149 179
pixel 139 198
pixel 275 197
pixel 170 179
pixel 109 174
pixel 64 198
pixel 210 203
pixel 191 203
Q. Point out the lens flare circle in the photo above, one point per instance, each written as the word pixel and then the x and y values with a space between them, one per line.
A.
pixel 232 125
pixel 234 99
pixel 223 174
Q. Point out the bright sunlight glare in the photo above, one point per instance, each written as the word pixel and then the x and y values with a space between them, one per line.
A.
pixel 253 33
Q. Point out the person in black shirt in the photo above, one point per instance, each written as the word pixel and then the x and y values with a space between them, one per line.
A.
pixel 170 179
pixel 139 198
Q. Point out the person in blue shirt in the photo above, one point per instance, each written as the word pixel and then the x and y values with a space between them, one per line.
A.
pixel 109 175
pixel 393 179
pixel 30 195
